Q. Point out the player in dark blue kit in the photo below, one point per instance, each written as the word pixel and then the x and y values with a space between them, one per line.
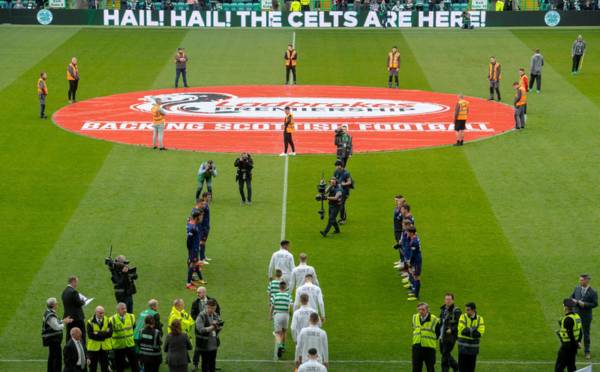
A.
pixel 204 227
pixel 415 264
pixel 193 242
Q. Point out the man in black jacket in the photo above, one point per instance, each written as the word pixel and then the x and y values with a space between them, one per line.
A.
pixel 244 166
pixel 198 306
pixel 74 353
pixel 569 335
pixel 73 304
pixel 449 316
pixel 586 299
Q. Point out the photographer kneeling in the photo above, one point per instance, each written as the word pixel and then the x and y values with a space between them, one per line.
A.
pixel 123 278
pixel 208 327
pixel 333 194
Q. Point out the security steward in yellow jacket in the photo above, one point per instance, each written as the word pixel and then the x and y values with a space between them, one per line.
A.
pixel 494 77
pixel 569 335
pixel 178 312
pixel 291 59
pixel 470 329
pixel 295 6
pixel 123 343
pixel 461 112
pixel 99 340
pixel 42 90
pixel 393 65
pixel 426 331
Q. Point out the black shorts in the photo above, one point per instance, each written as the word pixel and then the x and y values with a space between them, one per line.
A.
pixel 459 125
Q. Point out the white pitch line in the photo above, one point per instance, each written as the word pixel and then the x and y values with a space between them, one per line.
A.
pixel 268 361
pixel 284 201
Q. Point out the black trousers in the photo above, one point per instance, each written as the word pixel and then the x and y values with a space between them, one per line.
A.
pixel 537 78
pixel 73 85
pixel 467 362
pixel 288 141
pixel 287 74
pixel 566 358
pixel 448 361
pixel 586 323
pixel 54 357
pixel 576 62
pixel 343 207
pixel 422 355
pixel 121 354
pixel 98 357
pixel 209 361
pixel 79 324
pixel 334 210
pixel 248 183
pixel 153 366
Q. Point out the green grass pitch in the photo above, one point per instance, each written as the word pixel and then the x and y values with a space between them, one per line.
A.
pixel 508 222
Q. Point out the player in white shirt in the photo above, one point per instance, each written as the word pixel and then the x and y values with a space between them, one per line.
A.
pixel 300 272
pixel 282 260
pixel 300 319
pixel 312 364
pixel 309 338
pixel 315 296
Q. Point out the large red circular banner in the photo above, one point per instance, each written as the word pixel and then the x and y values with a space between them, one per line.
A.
pixel 250 118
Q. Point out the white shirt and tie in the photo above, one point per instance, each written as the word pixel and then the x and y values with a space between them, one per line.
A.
pixel 81 361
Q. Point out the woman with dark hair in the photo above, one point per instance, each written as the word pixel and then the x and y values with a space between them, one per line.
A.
pixel 177 345
pixel 150 354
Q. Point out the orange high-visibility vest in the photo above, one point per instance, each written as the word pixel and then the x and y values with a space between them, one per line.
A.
pixel 157 116
pixel 463 109
pixel 523 100
pixel 524 82
pixel 393 60
pixel 75 72
pixel 289 124
pixel 493 73
pixel 44 88
pixel 290 58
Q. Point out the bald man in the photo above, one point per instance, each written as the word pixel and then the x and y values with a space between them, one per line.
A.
pixel 74 353
pixel 99 330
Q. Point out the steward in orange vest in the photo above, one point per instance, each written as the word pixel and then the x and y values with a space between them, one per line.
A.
pixel 288 129
pixel 42 90
pixel 520 102
pixel 73 78
pixel 393 65
pixel 291 58
pixel 158 125
pixel 524 82
pixel 461 111
pixel 494 77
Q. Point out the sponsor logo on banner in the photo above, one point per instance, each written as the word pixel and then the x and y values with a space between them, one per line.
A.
pixel 251 118
pixel 57 4
pixel 222 105
pixel 552 18
pixel 44 17
pixel 479 4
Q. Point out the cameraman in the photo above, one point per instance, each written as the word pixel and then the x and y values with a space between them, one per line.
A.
pixel 123 279
pixel 208 327
pixel 244 165
pixel 333 194
pixel 343 143
pixel 344 180
pixel 206 172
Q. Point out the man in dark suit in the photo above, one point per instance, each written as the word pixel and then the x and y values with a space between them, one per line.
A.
pixel 73 304
pixel 198 306
pixel 74 353
pixel 586 299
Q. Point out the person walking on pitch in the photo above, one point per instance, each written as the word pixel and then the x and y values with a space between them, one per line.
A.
pixel 535 72
pixel 393 65
pixel 461 111
pixel 577 53
pixel 279 313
